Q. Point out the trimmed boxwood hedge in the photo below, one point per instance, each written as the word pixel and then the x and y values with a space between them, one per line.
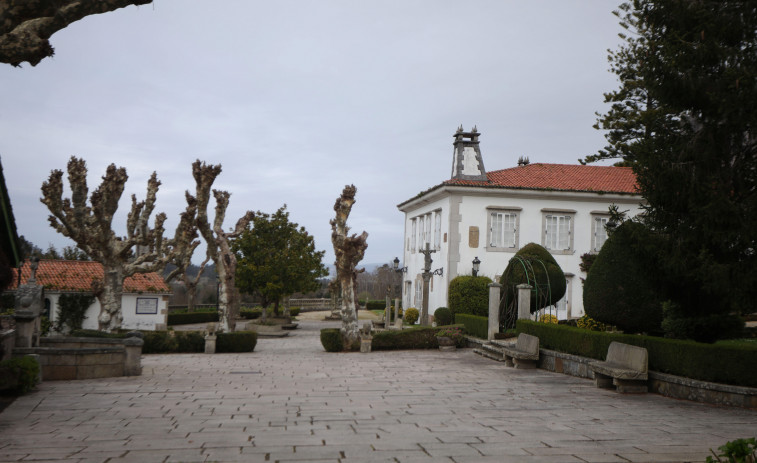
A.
pixel 238 341
pixel 469 294
pixel 331 339
pixel 733 365
pixel 419 337
pixel 375 305
pixel 474 325
pixel 443 316
pixel 191 317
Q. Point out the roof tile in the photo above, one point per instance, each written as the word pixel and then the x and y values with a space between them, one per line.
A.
pixel 564 177
pixel 76 275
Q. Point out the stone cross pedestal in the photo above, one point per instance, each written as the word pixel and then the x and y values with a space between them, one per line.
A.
pixel 210 339
pixel 366 339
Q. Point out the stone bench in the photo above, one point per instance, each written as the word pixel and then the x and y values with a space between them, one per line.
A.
pixel 524 354
pixel 625 367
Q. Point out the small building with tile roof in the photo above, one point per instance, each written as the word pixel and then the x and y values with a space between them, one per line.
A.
pixel 491 215
pixel 145 295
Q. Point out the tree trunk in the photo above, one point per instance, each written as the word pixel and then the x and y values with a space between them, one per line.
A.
pixel 349 250
pixel 191 295
pixel 110 296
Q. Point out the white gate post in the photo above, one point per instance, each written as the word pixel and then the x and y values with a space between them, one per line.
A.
pixel 524 301
pixel 494 292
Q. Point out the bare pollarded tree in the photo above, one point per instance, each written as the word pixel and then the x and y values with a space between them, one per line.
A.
pixel 219 247
pixel 185 243
pixel 90 226
pixel 349 251
pixel 26 25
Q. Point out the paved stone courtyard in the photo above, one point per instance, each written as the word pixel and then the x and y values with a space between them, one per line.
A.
pixel 291 401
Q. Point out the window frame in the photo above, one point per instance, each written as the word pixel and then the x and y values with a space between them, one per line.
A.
pixel 514 211
pixel 595 218
pixel 559 213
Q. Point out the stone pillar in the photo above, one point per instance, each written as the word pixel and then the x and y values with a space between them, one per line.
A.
pixel 25 324
pixel 424 311
pixel 133 365
pixel 210 339
pixel 388 311
pixel 396 308
pixel 524 301
pixel 366 339
pixel 494 295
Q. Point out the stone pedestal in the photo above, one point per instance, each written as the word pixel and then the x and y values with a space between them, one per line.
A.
pixel 210 344
pixel 494 295
pixel 133 363
pixel 524 301
pixel 366 341
pixel 25 329
pixel 396 308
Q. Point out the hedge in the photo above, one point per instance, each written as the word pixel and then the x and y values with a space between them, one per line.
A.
pixel 331 339
pixel 19 375
pixel 474 325
pixel 469 294
pixel 420 337
pixel 238 341
pixel 733 365
pixel 375 305
pixel 170 342
pixel 191 317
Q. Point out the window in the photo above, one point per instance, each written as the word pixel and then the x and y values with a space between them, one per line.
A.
pixel 438 230
pixel 427 231
pixel 599 232
pixel 418 293
pixel 558 231
pixel 503 230
pixel 412 236
pixel 421 226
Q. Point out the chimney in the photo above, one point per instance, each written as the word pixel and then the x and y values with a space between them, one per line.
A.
pixel 467 163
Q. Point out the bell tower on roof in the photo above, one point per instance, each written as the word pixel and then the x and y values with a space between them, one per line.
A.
pixel 467 163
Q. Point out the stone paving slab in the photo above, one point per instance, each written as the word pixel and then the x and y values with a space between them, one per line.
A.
pixel 290 401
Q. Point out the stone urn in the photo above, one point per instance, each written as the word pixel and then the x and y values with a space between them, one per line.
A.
pixel 446 343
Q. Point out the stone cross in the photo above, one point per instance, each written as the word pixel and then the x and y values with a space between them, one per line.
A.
pixel 426 275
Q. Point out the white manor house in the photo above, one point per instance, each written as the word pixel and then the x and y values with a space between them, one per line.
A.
pixel 491 215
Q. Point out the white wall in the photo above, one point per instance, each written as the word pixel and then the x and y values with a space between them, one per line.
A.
pixel 132 320
pixel 470 209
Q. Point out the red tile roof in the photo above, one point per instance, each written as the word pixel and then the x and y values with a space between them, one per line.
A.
pixel 563 177
pixel 76 275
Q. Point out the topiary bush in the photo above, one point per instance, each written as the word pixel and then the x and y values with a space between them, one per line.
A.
pixel 469 294
pixel 443 316
pixel 411 315
pixel 19 375
pixel 708 328
pixel 419 337
pixel 189 341
pixel 331 339
pixel 534 265
pixel 375 305
pixel 621 287
pixel 238 341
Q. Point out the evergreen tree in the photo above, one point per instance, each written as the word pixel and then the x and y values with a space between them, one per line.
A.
pixel 685 118
pixel 276 258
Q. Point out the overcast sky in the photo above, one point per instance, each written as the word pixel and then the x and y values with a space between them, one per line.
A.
pixel 298 98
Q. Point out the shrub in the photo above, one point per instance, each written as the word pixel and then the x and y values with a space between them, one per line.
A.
pixel 189 341
pixel 443 316
pixel 620 288
pixel 534 265
pixel 191 317
pixel 548 318
pixel 588 323
pixel 238 341
pixel 375 305
pixel 251 314
pixel 71 310
pixel 474 325
pixel 728 364
pixel 158 342
pixel 294 311
pixel 469 294
pixel 95 334
pixel 411 315
pixel 453 332
pixel 737 451
pixel 331 339
pixel 708 328
pixel 419 337
pixel 19 375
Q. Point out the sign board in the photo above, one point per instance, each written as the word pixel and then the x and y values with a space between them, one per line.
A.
pixel 147 305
